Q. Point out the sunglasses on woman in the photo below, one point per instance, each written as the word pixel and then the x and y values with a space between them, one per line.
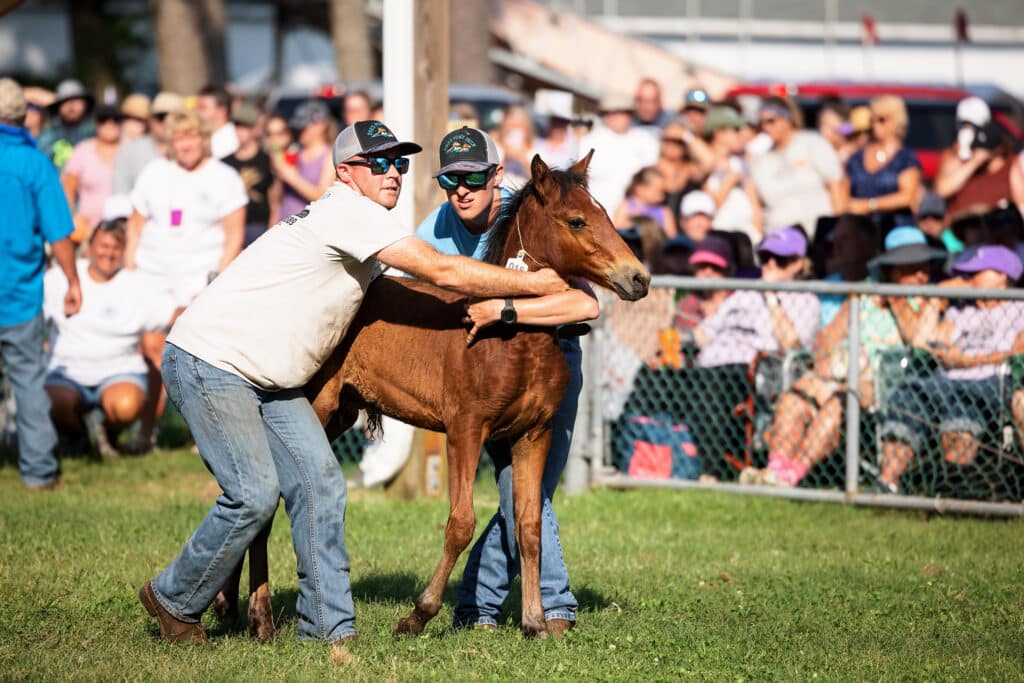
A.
pixel 380 165
pixel 471 181
pixel 780 261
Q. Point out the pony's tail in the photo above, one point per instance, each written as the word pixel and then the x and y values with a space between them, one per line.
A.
pixel 374 429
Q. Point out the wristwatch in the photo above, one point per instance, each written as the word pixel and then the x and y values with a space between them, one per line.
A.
pixel 508 314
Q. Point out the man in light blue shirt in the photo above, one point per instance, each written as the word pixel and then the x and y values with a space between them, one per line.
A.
pixel 471 173
pixel 35 212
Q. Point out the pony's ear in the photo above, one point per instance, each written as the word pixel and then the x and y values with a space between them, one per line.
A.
pixel 580 167
pixel 541 176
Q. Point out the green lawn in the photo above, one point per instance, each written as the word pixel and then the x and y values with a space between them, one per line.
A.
pixel 673 585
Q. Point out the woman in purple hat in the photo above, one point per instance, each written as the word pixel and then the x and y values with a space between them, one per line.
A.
pixel 971 343
pixel 737 326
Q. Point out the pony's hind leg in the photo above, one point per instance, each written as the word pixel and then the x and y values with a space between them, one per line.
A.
pixel 529 453
pixel 261 612
pixel 463 454
pixel 225 605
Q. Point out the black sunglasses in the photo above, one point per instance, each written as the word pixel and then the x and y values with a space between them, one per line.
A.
pixel 780 261
pixel 380 165
pixel 471 181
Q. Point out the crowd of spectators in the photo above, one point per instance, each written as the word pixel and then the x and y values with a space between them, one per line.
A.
pixel 171 190
pixel 848 201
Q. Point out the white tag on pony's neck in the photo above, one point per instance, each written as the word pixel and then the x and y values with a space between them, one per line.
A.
pixel 517 263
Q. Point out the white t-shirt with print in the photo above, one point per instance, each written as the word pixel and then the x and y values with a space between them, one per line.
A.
pixel 102 339
pixel 279 310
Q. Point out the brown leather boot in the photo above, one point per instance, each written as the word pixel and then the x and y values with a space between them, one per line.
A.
pixel 172 629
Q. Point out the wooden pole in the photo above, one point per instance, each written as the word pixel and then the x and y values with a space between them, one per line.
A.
pixel 416 107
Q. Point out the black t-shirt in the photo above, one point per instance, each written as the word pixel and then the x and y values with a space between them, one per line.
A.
pixel 258 178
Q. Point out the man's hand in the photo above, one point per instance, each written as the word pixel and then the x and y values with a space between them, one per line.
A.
pixel 548 282
pixel 482 314
pixel 73 299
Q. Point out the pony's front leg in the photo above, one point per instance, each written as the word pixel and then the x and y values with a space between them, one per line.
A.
pixel 529 454
pixel 463 453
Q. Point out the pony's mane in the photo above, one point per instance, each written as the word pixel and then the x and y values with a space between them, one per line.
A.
pixel 566 180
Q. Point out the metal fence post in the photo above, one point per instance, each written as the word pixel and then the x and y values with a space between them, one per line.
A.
pixel 577 475
pixel 853 397
pixel 596 427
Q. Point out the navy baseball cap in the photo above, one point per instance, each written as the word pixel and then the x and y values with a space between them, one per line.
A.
pixel 364 138
pixel 467 149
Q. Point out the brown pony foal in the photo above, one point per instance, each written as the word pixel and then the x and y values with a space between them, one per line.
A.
pixel 405 355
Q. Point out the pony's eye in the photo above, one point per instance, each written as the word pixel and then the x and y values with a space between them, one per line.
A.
pixel 576 223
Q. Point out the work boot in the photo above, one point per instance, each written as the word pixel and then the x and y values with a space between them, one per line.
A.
pixel 171 628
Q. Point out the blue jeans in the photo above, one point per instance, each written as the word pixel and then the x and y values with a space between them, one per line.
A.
pixel 25 365
pixel 259 445
pixel 951 404
pixel 494 559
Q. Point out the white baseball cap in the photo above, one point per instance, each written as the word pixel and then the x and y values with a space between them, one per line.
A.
pixel 973 110
pixel 697 202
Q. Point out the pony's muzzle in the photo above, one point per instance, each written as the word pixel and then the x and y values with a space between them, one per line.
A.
pixel 630 282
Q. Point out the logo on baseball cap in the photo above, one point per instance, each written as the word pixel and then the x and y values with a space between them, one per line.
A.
pixel 363 138
pixel 468 150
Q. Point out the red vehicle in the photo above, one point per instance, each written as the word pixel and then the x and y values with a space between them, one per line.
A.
pixel 932 110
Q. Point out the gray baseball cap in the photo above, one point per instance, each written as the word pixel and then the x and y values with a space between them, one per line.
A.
pixel 369 137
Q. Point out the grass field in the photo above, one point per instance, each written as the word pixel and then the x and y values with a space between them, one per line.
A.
pixel 673 585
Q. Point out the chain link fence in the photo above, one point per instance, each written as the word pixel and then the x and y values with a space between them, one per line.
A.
pixel 863 392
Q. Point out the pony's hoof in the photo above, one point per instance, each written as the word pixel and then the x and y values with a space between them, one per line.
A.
pixel 410 626
pixel 226 612
pixel 261 616
pixel 557 628
pixel 534 631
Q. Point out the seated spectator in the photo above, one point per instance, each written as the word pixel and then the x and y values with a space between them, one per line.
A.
pixel 712 260
pixel 970 343
pixel 855 241
pixel 931 218
pixel 89 173
pixel 808 419
pixel 645 196
pixel 884 179
pixel 95 359
pixel 698 211
pixel 798 179
pixel 737 205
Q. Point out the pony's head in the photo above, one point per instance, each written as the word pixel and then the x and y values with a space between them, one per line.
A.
pixel 560 225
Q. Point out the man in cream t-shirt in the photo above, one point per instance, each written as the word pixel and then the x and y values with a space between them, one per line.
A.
pixel 238 357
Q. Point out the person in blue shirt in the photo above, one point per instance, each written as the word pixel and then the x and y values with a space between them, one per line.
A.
pixel 471 173
pixel 35 211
